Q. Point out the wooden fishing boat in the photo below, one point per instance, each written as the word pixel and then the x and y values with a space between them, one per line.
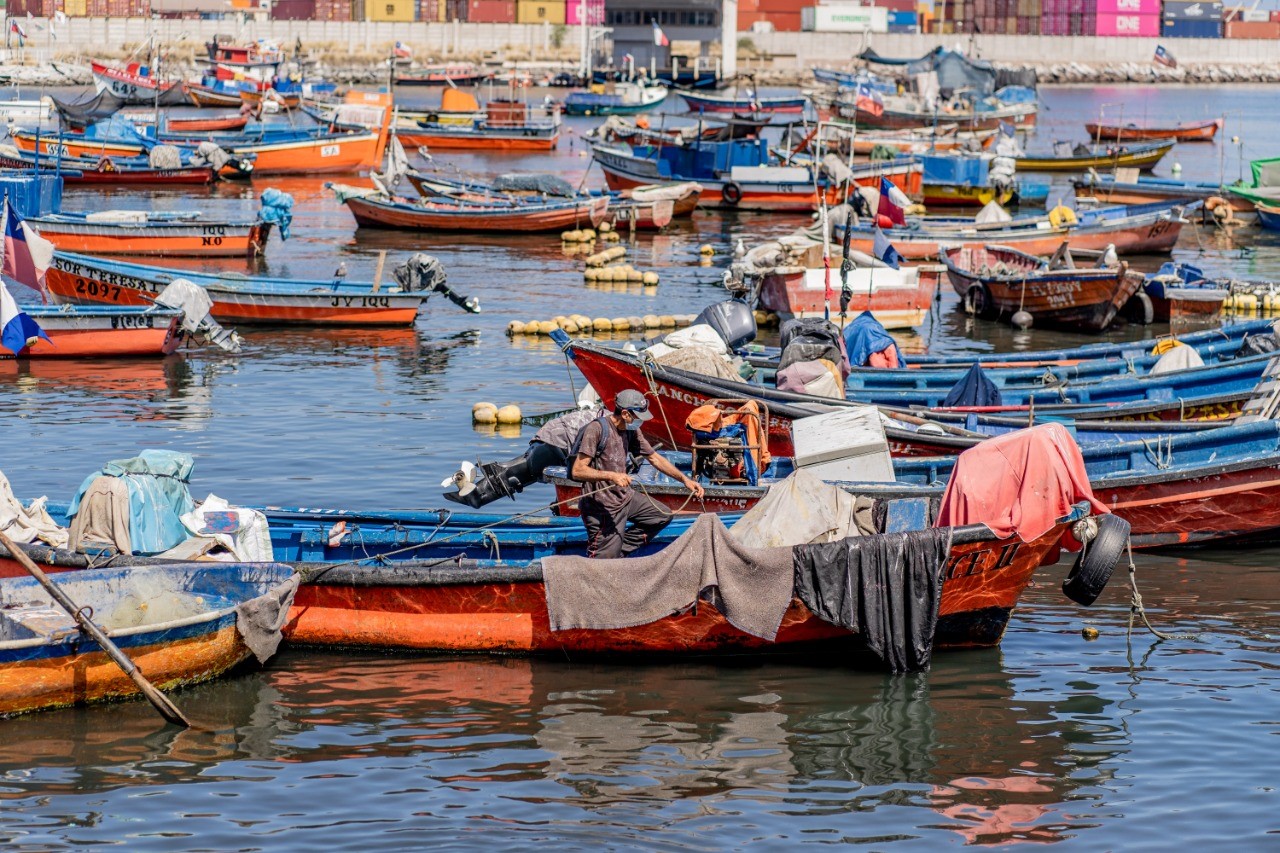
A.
pixel 745 175
pixel 205 95
pixel 1265 182
pixel 1191 488
pixel 1143 157
pixel 132 84
pixel 255 98
pixel 238 298
pixel 1145 189
pixel 106 171
pixel 1131 229
pixel 901 112
pixel 1268 216
pixel 1200 131
pixel 997 281
pixel 615 99
pixel 652 208
pixel 500 605
pixel 1185 395
pixel 262 57
pixel 373 210
pixel 125 156
pixel 921 140
pixel 443 75
pixel 139 233
pixel 793 281
pixel 177 623
pixel 705 102
pixel 1181 292
pixel 102 331
pixel 198 124
pixel 462 125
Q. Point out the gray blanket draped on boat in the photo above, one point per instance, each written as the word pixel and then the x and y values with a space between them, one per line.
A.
pixel 750 586
pixel 886 588
pixel 260 620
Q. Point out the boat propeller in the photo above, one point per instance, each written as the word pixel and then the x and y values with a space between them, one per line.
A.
pixel 463 478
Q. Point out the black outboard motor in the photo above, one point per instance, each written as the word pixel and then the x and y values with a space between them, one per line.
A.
pixel 425 272
pixel 809 340
pixel 733 321
pixel 486 482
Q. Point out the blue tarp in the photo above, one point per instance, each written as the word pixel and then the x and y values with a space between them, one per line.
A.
pixel 974 389
pixel 865 336
pixel 277 208
pixel 951 169
pixel 158 497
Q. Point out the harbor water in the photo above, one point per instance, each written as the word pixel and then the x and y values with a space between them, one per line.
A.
pixel 1124 742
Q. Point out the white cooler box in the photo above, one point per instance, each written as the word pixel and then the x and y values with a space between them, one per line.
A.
pixel 845 445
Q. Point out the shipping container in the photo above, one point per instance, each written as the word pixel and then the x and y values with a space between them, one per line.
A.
pixel 491 11
pixel 539 11
pixel 891 5
pixel 1251 30
pixel 75 8
pixel 1127 25
pixel 293 10
pixel 400 11
pixel 1189 28
pixel 844 18
pixel 456 10
pixel 1128 7
pixel 594 11
pixel 1193 11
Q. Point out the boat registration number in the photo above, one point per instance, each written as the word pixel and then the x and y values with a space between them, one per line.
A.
pixel 143 322
pixel 328 151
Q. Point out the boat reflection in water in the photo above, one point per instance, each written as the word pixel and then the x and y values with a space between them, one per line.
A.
pixel 800 742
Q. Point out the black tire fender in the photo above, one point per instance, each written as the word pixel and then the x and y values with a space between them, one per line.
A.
pixel 977 300
pixel 1140 309
pixel 1098 559
pixel 731 193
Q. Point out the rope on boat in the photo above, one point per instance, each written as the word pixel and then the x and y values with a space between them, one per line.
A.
pixel 1136 608
pixel 1161 460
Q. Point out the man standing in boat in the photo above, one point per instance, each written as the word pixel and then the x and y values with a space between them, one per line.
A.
pixel 619 519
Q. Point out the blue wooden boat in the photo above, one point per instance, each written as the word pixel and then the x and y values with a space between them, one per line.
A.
pixel 177 623
pixel 746 104
pixel 1148 188
pixel 1190 489
pixel 626 99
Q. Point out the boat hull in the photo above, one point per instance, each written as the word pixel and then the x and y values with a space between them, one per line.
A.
pixel 1145 160
pixel 370 213
pixel 901 301
pixel 1199 132
pixel 193 240
pixel 506 139
pixel 80 280
pixel 205 96
pixel 744 106
pixel 103 333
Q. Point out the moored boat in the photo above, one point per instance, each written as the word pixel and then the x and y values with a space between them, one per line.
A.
pixel 211 94
pixel 133 84
pixel 106 171
pixel 443 75
pixel 1199 131
pixel 1143 156
pixel 372 209
pixel 742 104
pixel 1145 189
pixel 615 99
pixel 140 233
pixel 102 331
pixel 257 299
pixel 176 622
pixel 997 281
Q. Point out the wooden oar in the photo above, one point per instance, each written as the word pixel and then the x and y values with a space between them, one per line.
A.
pixel 161 702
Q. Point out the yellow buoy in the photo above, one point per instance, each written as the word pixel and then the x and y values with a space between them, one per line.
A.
pixel 1246 303
pixel 602 324
pixel 635 276
pixel 488 415
pixel 570 328
pixel 606 227
pixel 707 249
pixel 546 327
pixel 635 322
pixel 651 321
pixel 762 317
pixel 650 278
pixel 515 327
pixel 531 327
pixel 666 321
pixel 509 415
pixel 482 405
pixel 620 324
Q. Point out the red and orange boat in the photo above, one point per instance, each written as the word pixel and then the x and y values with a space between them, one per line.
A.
pixel 141 233
pixel 198 124
pixel 1200 131
pixel 102 331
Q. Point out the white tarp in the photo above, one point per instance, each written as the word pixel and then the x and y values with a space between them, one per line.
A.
pixel 803 510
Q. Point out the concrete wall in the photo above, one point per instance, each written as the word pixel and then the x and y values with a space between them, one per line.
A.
pixel 805 49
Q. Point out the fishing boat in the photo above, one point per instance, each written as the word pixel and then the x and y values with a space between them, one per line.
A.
pixel 1180 291
pixel 997 281
pixel 654 207
pixel 129 157
pixel 133 84
pixel 910 112
pixel 947 137
pixel 443 75
pixel 1268 216
pixel 500 604
pixel 1146 189
pixel 745 104
pixel 106 171
pixel 966 180
pixel 199 124
pixel 461 125
pixel 212 92
pixel 372 209
pixel 792 279
pixel 1199 131
pixel 177 623
pixel 262 57
pixel 745 174
pixel 1265 182
pixel 614 99
pixel 256 98
pixel 1213 393
pixel 101 331
pixel 258 299
pixel 1068 158
pixel 1130 229
pixel 152 234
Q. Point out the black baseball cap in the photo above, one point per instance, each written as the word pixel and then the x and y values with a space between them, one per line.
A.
pixel 634 402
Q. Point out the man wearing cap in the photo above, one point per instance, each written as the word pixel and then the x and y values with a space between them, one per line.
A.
pixel 618 519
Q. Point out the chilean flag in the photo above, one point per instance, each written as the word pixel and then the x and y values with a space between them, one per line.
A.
pixel 27 255
pixel 659 37
pixel 868 100
pixel 892 201
pixel 17 330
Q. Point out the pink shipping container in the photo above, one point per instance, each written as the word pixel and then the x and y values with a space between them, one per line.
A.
pixel 1129 7
pixel 573 12
pixel 1128 25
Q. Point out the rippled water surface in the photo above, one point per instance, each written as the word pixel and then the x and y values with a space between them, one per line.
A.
pixel 1111 744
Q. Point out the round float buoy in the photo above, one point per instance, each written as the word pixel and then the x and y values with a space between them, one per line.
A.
pixel 620 324
pixel 1021 319
pixel 515 327
pixel 487 415
pixel 651 321
pixel 508 415
pixel 706 249
pixel 666 321
pixel 1089 633
pixel 602 324
pixel 650 278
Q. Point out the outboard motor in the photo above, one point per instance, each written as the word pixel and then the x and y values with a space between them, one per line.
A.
pixel 485 483
pixel 733 320
pixel 424 272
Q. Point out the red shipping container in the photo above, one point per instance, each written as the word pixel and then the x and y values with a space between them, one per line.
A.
pixel 1127 25
pixel 1275 17
pixel 1252 30
pixel 491 11
pixel 895 5
pixel 293 10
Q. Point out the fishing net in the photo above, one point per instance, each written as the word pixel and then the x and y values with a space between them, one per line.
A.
pixel 545 184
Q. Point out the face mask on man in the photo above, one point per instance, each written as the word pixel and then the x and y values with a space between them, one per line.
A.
pixel 633 425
